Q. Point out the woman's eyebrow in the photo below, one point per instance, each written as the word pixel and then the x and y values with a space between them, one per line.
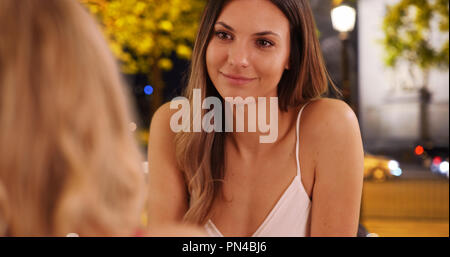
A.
pixel 225 25
pixel 263 33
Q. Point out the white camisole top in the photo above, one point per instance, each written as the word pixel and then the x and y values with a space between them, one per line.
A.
pixel 290 217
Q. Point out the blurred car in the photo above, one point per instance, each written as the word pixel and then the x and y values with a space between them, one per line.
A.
pixel 434 158
pixel 380 168
pixel 439 166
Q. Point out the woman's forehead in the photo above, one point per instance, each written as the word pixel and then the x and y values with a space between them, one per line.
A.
pixel 254 16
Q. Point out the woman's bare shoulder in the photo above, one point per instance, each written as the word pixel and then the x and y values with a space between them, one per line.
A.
pixel 161 118
pixel 161 136
pixel 330 108
pixel 328 115
pixel 328 123
pixel 160 124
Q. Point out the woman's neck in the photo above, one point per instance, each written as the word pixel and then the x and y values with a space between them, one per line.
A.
pixel 249 145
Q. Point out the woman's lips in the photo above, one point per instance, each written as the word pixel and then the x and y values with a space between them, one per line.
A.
pixel 236 79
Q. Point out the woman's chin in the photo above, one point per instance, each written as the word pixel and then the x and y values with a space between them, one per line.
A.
pixel 237 95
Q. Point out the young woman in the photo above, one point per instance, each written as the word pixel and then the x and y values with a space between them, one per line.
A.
pixel 68 161
pixel 306 183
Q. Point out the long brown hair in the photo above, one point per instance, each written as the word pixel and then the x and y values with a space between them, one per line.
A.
pixel 201 155
pixel 68 161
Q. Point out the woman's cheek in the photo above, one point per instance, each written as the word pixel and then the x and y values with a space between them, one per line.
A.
pixel 210 61
pixel 270 71
pixel 215 51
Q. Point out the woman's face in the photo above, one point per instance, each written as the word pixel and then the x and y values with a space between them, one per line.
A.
pixel 249 49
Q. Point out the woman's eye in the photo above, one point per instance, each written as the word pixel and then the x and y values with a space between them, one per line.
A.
pixel 264 43
pixel 223 35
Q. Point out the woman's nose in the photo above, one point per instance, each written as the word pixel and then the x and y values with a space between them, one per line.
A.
pixel 238 56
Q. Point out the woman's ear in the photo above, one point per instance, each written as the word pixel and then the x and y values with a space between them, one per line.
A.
pixel 288 64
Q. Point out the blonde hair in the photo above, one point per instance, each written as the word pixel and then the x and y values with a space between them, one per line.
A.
pixel 68 161
pixel 201 155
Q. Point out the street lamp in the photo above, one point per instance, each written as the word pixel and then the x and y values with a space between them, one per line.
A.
pixel 343 18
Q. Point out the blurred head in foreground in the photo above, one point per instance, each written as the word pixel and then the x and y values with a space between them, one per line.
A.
pixel 68 161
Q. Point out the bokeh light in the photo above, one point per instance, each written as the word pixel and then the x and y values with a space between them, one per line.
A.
pixel 148 90
pixel 419 150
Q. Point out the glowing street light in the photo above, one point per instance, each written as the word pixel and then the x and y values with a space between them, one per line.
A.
pixel 343 18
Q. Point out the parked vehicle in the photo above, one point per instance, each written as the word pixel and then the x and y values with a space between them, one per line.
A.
pixel 380 168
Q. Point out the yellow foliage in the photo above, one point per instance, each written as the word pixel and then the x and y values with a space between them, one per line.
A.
pixel 165 64
pixel 166 26
pixel 184 51
pixel 146 32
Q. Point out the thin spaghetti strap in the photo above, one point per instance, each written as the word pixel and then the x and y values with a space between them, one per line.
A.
pixel 297 136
